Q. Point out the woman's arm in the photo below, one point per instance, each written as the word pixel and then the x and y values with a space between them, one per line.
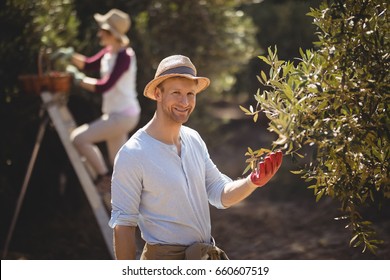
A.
pixel 78 60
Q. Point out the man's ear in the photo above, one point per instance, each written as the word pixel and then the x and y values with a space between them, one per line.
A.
pixel 157 93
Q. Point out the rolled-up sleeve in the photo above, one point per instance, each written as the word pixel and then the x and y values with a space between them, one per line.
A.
pixel 215 184
pixel 126 188
pixel 214 179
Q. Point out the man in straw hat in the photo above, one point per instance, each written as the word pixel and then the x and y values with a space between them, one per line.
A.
pixel 121 111
pixel 164 178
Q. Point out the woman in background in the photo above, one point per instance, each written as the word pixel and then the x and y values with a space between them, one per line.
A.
pixel 116 62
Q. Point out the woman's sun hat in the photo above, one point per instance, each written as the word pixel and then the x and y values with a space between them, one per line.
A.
pixel 117 22
pixel 175 66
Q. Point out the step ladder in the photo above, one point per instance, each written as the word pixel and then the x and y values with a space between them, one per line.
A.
pixel 61 118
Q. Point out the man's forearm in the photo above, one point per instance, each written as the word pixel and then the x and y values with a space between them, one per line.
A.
pixel 236 191
pixel 124 242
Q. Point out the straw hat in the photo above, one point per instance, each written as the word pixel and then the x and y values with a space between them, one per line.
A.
pixel 117 22
pixel 175 66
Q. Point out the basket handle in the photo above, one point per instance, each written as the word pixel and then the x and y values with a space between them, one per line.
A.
pixel 42 55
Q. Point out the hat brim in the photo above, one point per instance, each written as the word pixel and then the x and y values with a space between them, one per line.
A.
pixel 100 18
pixel 103 24
pixel 203 83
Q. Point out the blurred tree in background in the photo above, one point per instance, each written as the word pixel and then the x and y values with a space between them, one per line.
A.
pixel 283 23
pixel 217 36
pixel 28 26
pixel 336 99
pixel 31 25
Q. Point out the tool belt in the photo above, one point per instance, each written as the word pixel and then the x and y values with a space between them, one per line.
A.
pixel 196 251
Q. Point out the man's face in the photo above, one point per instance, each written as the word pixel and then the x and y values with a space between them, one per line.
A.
pixel 176 98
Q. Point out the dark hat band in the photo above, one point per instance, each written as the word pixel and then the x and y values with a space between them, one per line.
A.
pixel 179 70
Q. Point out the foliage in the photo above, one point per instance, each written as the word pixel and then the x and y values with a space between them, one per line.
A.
pixel 212 33
pixel 283 23
pixel 336 100
pixel 32 25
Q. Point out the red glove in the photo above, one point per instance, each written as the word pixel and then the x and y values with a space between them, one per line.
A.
pixel 266 169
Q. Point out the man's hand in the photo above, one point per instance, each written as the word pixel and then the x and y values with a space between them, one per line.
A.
pixel 266 169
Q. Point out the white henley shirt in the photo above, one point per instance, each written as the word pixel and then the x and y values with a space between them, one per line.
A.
pixel 165 194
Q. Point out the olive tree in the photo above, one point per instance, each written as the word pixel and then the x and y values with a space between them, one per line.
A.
pixel 334 102
pixel 32 25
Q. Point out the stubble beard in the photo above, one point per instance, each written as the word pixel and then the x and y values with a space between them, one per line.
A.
pixel 177 117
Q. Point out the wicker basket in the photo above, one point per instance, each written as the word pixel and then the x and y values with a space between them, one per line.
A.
pixel 52 81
